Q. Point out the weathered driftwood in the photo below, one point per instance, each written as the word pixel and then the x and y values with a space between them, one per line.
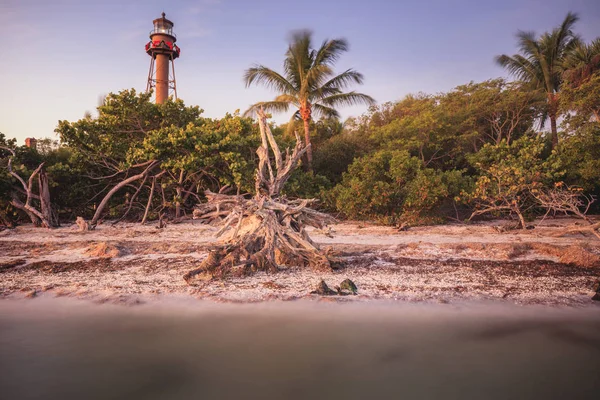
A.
pixel 267 231
pixel 82 224
pixel 589 229
pixel 44 216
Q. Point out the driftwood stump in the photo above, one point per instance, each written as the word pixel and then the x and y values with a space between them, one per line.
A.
pixel 267 231
pixel 82 224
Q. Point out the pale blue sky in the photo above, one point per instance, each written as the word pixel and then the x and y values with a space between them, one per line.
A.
pixel 60 56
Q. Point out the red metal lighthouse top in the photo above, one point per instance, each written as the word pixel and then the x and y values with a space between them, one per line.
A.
pixel 162 39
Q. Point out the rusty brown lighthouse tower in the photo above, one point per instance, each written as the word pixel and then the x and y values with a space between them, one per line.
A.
pixel 163 52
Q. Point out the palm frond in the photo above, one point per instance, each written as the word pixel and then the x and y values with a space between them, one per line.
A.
pixel 293 74
pixel 288 98
pixel 347 99
pixel 324 111
pixel 345 79
pixel 519 66
pixel 565 32
pixel 330 51
pixel 528 44
pixel 269 78
pixel 269 106
pixel 291 125
pixel 316 76
pixel 299 57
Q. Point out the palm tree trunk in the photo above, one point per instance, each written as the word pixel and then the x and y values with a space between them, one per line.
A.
pixel 309 153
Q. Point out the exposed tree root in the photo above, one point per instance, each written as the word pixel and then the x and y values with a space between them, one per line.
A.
pixel 261 235
pixel 266 232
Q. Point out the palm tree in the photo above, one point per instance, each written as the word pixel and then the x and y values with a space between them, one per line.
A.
pixel 581 74
pixel 582 63
pixel 308 82
pixel 540 64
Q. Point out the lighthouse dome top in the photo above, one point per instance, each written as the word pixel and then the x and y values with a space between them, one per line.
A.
pixel 162 26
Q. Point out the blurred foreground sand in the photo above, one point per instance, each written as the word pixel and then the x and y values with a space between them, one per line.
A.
pixel 183 349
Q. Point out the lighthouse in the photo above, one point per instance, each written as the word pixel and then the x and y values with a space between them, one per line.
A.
pixel 163 52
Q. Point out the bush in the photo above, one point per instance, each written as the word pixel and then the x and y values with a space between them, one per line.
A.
pixel 307 185
pixel 580 155
pixel 332 158
pixel 392 186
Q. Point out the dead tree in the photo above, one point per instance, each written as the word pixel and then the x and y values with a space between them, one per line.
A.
pixel 265 232
pixel 44 216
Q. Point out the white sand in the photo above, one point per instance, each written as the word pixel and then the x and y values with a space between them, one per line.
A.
pixel 445 263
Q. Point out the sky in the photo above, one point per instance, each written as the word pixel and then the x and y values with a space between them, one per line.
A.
pixel 60 56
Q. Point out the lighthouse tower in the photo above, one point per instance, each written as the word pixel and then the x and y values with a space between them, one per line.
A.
pixel 163 52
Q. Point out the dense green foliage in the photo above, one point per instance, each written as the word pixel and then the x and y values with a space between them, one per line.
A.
pixel 476 150
pixel 391 186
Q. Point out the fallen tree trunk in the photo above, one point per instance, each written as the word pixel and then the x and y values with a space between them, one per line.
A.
pixel 265 232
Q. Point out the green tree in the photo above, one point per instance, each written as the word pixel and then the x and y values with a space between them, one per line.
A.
pixel 510 175
pixel 580 155
pixel 489 112
pixel 166 150
pixel 541 64
pixel 308 82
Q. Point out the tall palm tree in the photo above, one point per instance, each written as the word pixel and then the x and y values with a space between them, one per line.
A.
pixel 308 82
pixel 540 63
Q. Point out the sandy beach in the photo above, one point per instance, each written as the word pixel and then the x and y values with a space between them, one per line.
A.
pixel 132 264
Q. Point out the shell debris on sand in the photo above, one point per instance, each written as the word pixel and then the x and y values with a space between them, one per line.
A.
pixel 424 264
